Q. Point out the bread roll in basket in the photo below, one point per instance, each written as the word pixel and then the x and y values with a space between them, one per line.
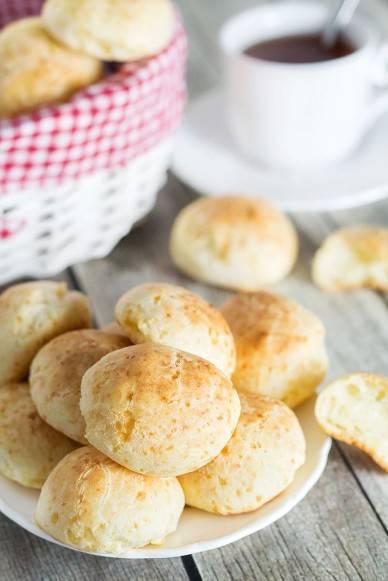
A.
pixel 75 177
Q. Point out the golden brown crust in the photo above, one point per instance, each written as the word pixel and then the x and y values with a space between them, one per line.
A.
pixel 234 242
pixel 119 31
pixel 35 70
pixel 32 314
pixel 158 410
pixel 257 464
pixel 235 211
pixel 92 503
pixel 56 374
pixel 258 313
pixel 173 316
pixel 280 346
pixel 29 448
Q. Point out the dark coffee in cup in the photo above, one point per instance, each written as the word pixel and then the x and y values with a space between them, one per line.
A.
pixel 303 48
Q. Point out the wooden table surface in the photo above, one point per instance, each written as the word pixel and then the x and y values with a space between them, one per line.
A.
pixel 340 531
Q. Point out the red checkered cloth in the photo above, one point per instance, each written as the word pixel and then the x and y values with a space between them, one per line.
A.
pixel 101 128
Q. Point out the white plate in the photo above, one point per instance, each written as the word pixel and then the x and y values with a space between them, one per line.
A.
pixel 199 531
pixel 206 158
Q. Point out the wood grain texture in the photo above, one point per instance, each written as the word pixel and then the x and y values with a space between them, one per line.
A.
pixel 339 532
pixel 330 532
pixel 356 324
pixel 25 557
pixel 324 538
pixel 357 333
pixel 317 540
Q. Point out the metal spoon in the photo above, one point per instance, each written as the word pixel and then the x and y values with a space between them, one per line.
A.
pixel 338 19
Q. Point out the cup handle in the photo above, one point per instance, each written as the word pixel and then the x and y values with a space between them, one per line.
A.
pixel 379 102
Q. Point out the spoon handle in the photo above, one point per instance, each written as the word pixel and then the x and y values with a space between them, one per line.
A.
pixel 339 19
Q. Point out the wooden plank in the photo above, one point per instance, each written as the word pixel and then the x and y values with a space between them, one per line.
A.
pixel 143 256
pixel 25 557
pixel 338 532
pixel 140 257
pixel 350 348
pixel 331 535
pixel 334 533
pixel 356 325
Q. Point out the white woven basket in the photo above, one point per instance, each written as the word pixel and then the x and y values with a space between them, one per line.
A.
pixel 75 177
pixel 76 221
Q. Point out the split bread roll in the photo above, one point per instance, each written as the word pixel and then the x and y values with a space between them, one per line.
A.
pixel 280 347
pixel 29 448
pixel 56 374
pixel 234 242
pixel 122 30
pixel 93 504
pixel 257 464
pixel 351 258
pixel 157 410
pixel 354 409
pixel 31 314
pixel 35 70
pixel 173 316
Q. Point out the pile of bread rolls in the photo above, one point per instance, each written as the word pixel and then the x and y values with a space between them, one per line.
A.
pixel 175 402
pixel 244 244
pixel 121 427
pixel 48 58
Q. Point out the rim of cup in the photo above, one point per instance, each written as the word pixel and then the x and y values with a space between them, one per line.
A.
pixel 231 43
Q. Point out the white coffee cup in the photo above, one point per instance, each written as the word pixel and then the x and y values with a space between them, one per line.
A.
pixel 300 115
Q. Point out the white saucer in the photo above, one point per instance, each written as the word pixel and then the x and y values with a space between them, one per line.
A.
pixel 199 531
pixel 207 160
